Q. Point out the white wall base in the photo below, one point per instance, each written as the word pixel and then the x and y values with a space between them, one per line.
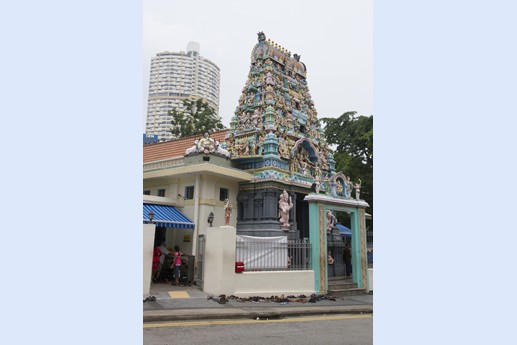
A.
pixel 267 284
pixel 148 240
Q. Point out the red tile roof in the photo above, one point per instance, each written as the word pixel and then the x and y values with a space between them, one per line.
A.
pixel 175 148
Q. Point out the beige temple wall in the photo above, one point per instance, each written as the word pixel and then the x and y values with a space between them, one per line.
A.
pixel 220 277
pixel 148 247
pixel 267 284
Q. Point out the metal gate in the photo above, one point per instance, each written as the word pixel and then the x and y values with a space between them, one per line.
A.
pixel 200 257
pixel 335 248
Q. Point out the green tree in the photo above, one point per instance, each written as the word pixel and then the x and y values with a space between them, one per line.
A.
pixel 353 136
pixel 195 118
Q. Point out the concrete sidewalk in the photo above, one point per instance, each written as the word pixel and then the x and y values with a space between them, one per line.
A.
pixel 175 303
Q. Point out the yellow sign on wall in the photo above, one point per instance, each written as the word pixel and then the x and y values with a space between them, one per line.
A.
pixel 186 238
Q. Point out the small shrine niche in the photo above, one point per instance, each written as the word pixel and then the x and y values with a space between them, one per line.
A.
pixel 340 189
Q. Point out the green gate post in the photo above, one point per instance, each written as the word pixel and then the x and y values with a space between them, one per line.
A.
pixel 317 252
pixel 318 206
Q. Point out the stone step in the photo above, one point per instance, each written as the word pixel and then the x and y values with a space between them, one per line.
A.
pixel 340 278
pixel 346 292
pixel 342 286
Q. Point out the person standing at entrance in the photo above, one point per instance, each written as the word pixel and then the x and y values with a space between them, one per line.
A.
pixel 157 253
pixel 347 258
pixel 164 252
pixel 177 264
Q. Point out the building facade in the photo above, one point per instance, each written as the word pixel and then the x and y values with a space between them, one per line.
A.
pixel 174 77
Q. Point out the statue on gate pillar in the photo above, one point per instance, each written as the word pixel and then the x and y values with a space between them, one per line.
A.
pixel 357 187
pixel 331 221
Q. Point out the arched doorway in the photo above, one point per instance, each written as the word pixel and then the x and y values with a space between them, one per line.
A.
pixel 319 205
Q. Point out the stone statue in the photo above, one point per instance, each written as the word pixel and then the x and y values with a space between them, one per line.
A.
pixel 261 36
pixel 262 49
pixel 357 187
pixel 192 149
pixel 256 117
pixel 269 79
pixel 339 187
pixel 206 144
pixel 349 186
pixel 317 186
pixel 220 150
pixel 227 211
pixel 331 221
pixel 285 204
pixel 282 149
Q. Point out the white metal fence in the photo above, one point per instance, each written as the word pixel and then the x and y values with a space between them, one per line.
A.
pixel 273 253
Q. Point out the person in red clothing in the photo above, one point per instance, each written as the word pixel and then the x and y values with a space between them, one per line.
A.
pixel 157 253
pixel 177 264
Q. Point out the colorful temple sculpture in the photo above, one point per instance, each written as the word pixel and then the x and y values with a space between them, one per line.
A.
pixel 275 134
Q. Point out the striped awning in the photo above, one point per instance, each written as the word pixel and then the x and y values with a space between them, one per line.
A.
pixel 343 230
pixel 167 216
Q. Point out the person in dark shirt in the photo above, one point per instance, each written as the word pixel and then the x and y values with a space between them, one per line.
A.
pixel 347 258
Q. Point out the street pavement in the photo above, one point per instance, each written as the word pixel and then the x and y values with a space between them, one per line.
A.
pixel 174 303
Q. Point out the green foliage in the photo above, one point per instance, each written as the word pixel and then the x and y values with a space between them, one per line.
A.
pixel 353 136
pixel 196 118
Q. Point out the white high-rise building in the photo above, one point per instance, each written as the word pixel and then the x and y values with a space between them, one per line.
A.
pixel 174 77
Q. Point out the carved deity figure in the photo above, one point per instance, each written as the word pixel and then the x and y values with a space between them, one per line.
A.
pixel 262 48
pixel 269 79
pixel 349 187
pixel 283 149
pixel 280 101
pixel 323 157
pixel 244 120
pixel 304 166
pixel 317 172
pixel 206 144
pixel 260 145
pixel 285 204
pixel 227 211
pixel 339 187
pixel 256 118
pixel 331 221
pixel 357 187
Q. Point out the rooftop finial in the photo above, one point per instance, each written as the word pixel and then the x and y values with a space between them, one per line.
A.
pixel 261 37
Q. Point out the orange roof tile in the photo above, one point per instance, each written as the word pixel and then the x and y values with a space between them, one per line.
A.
pixel 175 148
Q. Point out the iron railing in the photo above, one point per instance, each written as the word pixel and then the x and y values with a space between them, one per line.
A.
pixel 291 255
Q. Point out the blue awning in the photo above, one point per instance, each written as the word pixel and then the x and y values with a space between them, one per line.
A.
pixel 343 230
pixel 167 216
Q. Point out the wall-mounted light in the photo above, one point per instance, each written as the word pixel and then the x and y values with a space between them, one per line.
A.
pixel 151 216
pixel 211 218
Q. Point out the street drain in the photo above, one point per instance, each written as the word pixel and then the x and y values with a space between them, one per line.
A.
pixel 267 317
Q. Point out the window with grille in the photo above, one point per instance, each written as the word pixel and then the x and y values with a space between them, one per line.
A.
pixel 189 192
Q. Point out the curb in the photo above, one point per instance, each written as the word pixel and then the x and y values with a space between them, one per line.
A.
pixel 214 314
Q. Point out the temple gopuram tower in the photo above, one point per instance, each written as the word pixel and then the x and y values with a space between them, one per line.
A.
pixel 275 134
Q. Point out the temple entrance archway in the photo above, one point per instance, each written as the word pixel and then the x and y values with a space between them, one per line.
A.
pixel 319 205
